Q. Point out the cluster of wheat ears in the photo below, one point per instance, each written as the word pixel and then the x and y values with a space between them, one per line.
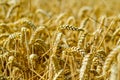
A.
pixel 59 40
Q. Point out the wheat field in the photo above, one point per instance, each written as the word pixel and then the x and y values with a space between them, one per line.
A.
pixel 59 40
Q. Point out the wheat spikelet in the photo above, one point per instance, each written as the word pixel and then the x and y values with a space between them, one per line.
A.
pixel 110 59
pixel 15 35
pixel 88 46
pixel 25 21
pixel 81 36
pixel 68 27
pixel 80 50
pixel 99 69
pixel 35 34
pixel 4 35
pixel 57 40
pixel 12 37
pixel 84 68
pixel 9 65
pixel 25 36
pixel 97 62
pixel 74 51
pixel 55 61
pixel 32 60
pixel 81 40
pixel 23 31
pixel 86 64
pixel 41 44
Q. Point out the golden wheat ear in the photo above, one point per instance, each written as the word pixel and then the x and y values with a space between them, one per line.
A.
pixel 26 22
pixel 81 40
pixel 35 34
pixel 85 67
pixel 110 58
pixel 69 27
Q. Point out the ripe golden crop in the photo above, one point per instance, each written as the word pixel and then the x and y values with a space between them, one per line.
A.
pixel 59 40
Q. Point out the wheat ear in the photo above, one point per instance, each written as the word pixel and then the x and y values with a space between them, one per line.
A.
pixel 35 34
pixel 69 27
pixel 26 22
pixel 110 59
